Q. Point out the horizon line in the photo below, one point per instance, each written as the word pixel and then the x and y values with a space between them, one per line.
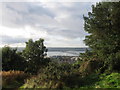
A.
pixel 50 47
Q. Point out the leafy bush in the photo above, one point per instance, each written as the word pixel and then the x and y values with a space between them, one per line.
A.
pixel 55 76
pixel 11 60
pixel 109 81
pixel 88 55
pixel 89 67
pixel 105 80
pixel 90 62
pixel 13 79
pixel 67 77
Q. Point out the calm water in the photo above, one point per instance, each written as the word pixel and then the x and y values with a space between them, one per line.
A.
pixel 65 51
pixel 62 51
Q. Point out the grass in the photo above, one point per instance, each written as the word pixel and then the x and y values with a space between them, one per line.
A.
pixel 73 80
pixel 13 79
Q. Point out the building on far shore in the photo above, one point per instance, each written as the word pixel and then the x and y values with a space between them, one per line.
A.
pixel 65 59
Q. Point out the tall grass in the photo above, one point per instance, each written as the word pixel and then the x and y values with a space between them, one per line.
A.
pixel 12 79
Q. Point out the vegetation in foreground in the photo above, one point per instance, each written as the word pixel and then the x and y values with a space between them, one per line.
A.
pixel 67 77
pixel 65 80
pixel 98 68
pixel 13 79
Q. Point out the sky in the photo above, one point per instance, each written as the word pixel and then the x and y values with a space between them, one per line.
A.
pixel 60 24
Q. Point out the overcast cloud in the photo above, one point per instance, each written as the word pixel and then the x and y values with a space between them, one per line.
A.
pixel 59 23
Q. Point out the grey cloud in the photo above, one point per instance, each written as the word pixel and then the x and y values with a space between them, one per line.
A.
pixel 26 14
pixel 69 34
pixel 12 40
pixel 39 10
pixel 21 14
pixel 31 8
pixel 75 9
pixel 41 17
pixel 78 9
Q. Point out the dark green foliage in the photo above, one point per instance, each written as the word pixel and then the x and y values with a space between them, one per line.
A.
pixel 89 81
pixel 65 76
pixel 55 76
pixel 109 81
pixel 88 55
pixel 34 54
pixel 99 81
pixel 11 60
pixel 103 25
pixel 89 67
pixel 90 62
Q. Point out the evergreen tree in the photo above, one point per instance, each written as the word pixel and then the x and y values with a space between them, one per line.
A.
pixel 34 55
pixel 103 26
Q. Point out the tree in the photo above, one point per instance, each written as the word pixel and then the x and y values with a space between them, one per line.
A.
pixel 103 25
pixel 34 54
pixel 11 60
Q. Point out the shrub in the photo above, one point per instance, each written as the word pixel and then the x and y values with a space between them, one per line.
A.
pixel 90 62
pixel 105 80
pixel 13 79
pixel 91 66
pixel 55 76
pixel 109 81
pixel 11 60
